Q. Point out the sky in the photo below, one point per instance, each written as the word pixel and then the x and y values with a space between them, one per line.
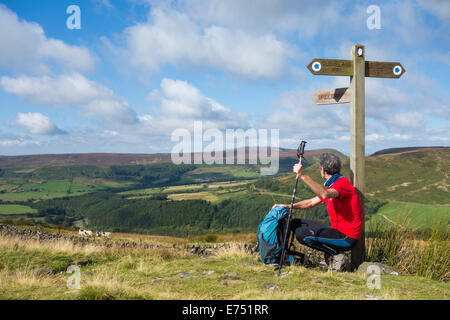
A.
pixel 135 71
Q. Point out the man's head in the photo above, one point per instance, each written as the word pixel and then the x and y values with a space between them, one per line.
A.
pixel 329 164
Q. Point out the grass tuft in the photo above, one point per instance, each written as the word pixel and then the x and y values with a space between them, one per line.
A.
pixel 411 251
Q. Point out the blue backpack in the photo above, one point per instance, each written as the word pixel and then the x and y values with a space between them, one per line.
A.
pixel 270 237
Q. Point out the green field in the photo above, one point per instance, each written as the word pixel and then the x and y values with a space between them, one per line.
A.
pixel 55 189
pixel 141 192
pixel 419 216
pixel 11 209
pixel 207 173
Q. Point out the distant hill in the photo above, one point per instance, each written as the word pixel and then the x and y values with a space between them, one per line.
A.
pixel 81 159
pixel 406 149
pixel 112 159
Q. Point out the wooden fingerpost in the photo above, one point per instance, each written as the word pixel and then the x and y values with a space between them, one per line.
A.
pixel 357 139
pixel 357 69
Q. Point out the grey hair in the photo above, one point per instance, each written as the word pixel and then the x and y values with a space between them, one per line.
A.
pixel 330 163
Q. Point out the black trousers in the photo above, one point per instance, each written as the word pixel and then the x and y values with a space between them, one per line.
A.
pixel 320 236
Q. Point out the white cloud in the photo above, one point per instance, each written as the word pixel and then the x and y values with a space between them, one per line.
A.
pixel 439 8
pixel 174 37
pixel 180 102
pixel 71 90
pixel 176 105
pixel 25 47
pixel 63 90
pixel 405 120
pixel 37 123
pixel 296 113
pixel 438 139
pixel 104 3
pixel 72 57
pixel 260 16
pixel 18 143
pixel 395 137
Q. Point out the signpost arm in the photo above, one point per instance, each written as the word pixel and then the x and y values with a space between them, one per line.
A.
pixel 357 140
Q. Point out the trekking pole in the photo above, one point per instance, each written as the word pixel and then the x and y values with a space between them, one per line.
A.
pixel 300 152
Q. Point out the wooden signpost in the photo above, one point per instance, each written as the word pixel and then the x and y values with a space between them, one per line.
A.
pixel 357 69
pixel 333 96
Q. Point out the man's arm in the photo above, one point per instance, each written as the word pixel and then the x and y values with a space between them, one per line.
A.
pixel 308 203
pixel 304 204
pixel 318 189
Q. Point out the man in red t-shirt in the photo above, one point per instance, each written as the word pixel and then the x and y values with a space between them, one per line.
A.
pixel 344 209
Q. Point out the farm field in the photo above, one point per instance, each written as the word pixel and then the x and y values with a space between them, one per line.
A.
pixel 214 191
pixel 419 216
pixel 227 172
pixel 12 209
pixel 54 189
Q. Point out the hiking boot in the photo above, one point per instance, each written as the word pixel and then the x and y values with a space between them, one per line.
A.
pixel 303 261
pixel 325 262
pixel 339 262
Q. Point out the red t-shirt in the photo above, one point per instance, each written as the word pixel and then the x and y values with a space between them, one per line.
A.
pixel 345 211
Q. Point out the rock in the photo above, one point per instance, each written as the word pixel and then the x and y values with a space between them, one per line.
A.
pixel 231 281
pixel 283 274
pixel 44 271
pixel 316 281
pixel 271 286
pixel 183 275
pixel 231 274
pixel 375 267
pixel 208 272
pixel 156 281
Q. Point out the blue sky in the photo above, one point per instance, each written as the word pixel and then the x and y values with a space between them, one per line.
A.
pixel 137 70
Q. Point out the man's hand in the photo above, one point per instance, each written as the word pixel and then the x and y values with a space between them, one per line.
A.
pixel 280 205
pixel 298 169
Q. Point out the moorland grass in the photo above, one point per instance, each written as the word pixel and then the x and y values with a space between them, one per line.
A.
pixel 173 273
pixel 409 250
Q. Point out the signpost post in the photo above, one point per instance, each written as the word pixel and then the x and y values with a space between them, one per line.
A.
pixel 357 69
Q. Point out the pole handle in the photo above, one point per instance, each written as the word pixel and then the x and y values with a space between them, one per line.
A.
pixel 301 149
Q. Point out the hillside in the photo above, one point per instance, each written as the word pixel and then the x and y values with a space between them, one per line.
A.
pixel 122 159
pixel 137 267
pixel 405 149
pixel 193 199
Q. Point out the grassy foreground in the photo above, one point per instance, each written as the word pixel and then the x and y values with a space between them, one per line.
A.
pixel 173 273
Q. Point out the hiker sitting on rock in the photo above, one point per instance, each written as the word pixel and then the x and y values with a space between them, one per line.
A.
pixel 344 209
